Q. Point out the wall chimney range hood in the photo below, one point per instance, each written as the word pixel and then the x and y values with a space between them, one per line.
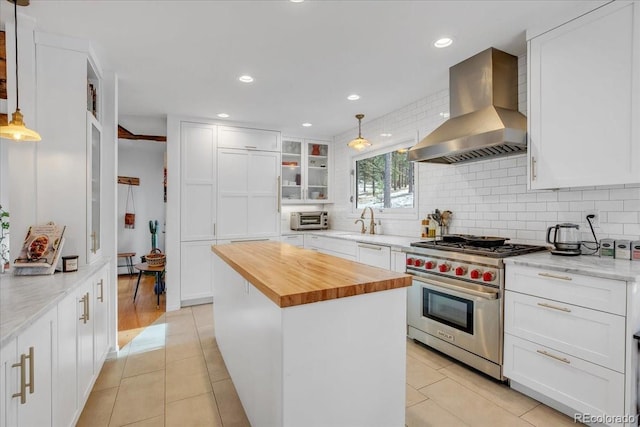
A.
pixel 485 121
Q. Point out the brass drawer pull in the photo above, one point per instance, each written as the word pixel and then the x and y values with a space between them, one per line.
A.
pixel 101 297
pixel 561 359
pixel 544 304
pixel 23 376
pixel 553 276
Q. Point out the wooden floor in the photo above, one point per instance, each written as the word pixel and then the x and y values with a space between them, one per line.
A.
pixel 133 318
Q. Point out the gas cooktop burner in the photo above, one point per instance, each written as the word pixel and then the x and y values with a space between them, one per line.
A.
pixel 499 251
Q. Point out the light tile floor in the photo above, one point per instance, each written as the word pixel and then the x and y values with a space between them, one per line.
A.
pixel 172 374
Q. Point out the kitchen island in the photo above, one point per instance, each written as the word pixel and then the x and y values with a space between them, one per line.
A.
pixel 310 339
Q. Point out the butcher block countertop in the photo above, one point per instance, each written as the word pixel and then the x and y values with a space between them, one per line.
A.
pixel 291 276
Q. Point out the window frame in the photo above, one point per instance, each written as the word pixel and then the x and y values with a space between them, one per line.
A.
pixel 391 213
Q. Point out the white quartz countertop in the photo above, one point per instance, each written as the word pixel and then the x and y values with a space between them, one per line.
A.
pixel 24 299
pixel 592 265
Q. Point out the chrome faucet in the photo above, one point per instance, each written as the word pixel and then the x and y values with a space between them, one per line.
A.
pixel 364 229
pixel 372 224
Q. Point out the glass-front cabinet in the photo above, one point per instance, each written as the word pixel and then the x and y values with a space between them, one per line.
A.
pixel 305 171
pixel 94 186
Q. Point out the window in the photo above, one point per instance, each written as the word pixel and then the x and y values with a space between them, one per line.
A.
pixel 386 181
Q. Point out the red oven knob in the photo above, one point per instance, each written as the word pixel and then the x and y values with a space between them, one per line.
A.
pixel 418 262
pixel 444 267
pixel 475 274
pixel 461 271
pixel 430 265
pixel 488 276
pixel 410 261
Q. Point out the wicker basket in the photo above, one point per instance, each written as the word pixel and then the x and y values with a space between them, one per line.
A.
pixel 156 258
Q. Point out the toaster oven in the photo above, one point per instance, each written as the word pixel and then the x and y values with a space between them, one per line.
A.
pixel 315 220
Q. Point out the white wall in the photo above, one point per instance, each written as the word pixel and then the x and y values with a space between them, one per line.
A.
pixel 488 197
pixel 144 160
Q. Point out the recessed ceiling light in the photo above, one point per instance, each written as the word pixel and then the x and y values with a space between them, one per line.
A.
pixel 353 97
pixel 296 1
pixel 223 115
pixel 443 42
pixel 245 79
pixel 385 134
pixel 307 125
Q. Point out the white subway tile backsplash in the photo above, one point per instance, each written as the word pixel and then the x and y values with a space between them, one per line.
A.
pixel 487 197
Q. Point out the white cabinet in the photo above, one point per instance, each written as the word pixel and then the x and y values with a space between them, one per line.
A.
pixel 27 366
pixel 305 171
pixel 341 248
pixel 69 121
pixel 293 239
pixel 374 255
pixel 196 273
pixel 584 100
pixel 248 139
pixel 248 196
pixel 101 301
pixel 566 338
pixel 198 181
pixel 398 261
pixel 82 345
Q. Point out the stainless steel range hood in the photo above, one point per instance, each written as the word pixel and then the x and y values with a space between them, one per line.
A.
pixel 485 121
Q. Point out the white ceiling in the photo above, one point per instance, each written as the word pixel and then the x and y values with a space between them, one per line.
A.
pixel 184 57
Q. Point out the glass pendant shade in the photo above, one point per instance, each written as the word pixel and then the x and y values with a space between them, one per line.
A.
pixel 359 143
pixel 17 131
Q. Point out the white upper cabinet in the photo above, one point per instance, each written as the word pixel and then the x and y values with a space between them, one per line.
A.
pixel 248 139
pixel 248 196
pixel 584 100
pixel 305 171
pixel 198 183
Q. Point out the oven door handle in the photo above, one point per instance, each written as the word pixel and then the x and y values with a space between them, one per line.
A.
pixel 490 295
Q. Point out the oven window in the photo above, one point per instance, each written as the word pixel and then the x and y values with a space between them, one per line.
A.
pixel 448 309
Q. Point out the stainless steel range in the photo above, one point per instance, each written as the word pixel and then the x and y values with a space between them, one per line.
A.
pixel 456 301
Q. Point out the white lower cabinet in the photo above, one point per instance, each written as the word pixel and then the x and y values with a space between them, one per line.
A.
pixel 583 386
pixel 293 239
pixel 27 375
pixel 566 338
pixel 374 255
pixel 101 299
pixel 196 273
pixel 398 261
pixel 341 248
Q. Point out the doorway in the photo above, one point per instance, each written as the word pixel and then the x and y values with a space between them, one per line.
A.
pixel 140 228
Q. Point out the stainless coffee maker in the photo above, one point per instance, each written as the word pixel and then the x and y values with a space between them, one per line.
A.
pixel 566 239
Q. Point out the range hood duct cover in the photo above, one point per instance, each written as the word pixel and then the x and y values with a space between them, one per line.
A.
pixel 485 121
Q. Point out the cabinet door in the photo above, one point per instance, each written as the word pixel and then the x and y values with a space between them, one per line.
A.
pixel 317 172
pixel 66 406
pixel 584 100
pixel 94 187
pixel 196 272
pixel 84 310
pixel 37 344
pixel 292 170
pixel 101 300
pixel 398 261
pixel 374 255
pixel 293 239
pixel 248 194
pixel 8 384
pixel 248 139
pixel 198 183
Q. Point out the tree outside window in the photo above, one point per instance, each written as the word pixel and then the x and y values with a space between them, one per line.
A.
pixel 385 181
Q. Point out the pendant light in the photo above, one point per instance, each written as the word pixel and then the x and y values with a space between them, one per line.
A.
pixel 359 143
pixel 16 130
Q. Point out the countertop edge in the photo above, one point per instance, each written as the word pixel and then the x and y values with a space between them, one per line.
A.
pixel 311 296
pixel 84 274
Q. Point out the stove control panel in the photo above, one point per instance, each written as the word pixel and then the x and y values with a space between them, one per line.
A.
pixel 452 268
